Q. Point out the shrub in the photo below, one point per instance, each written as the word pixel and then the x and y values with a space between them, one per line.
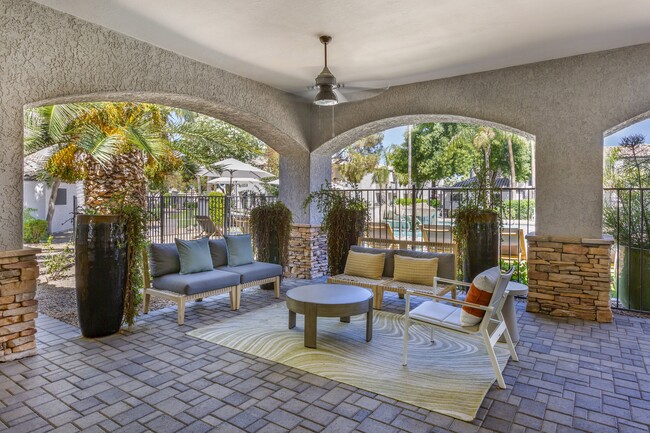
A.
pixel 521 270
pixel 57 262
pixel 216 206
pixel 34 229
pixel 519 209
pixel 408 200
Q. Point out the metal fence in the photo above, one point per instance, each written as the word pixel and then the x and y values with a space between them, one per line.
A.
pixel 626 217
pixel 422 219
pixel 191 216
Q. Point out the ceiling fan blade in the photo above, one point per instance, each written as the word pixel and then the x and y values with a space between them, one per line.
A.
pixel 360 95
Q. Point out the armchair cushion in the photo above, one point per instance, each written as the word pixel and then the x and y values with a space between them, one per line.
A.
pixel 480 292
pixel 415 270
pixel 219 252
pixel 254 271
pixel 441 314
pixel 240 250
pixel 194 255
pixel 163 259
pixel 365 265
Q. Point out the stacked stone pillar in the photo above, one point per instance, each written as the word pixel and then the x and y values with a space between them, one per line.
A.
pixel 18 274
pixel 569 277
pixel 307 252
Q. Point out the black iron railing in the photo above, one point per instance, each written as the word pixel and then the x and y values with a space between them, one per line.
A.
pixel 626 217
pixel 191 216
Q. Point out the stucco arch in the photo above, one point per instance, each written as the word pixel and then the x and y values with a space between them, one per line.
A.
pixel 636 119
pixel 346 138
pixel 277 139
pixel 49 56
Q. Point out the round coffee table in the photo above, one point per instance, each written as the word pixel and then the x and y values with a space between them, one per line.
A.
pixel 328 300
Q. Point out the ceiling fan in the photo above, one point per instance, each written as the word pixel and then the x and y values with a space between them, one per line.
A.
pixel 331 92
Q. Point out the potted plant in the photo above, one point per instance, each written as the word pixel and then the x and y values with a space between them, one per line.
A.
pixel 627 219
pixel 344 217
pixel 477 226
pixel 270 226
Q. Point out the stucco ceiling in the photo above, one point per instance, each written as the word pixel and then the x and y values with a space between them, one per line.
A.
pixel 276 41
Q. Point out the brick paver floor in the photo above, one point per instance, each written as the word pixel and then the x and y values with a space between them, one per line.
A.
pixel 572 376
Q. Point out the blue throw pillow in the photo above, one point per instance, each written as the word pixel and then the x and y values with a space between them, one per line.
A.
pixel 240 250
pixel 163 260
pixel 194 255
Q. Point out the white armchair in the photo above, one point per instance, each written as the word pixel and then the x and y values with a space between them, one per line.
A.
pixel 439 312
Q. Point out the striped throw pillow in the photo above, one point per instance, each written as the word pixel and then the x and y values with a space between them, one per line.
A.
pixel 415 270
pixel 480 292
pixel 365 265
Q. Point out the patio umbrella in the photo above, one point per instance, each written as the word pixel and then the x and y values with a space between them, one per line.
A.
pixel 232 169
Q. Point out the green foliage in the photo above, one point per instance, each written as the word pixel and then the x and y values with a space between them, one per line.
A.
pixel 134 218
pixel 521 270
pixel 628 219
pixel 519 209
pixel 270 225
pixel 216 207
pixel 405 201
pixel 56 262
pixel 433 158
pixel 344 217
pixel 34 230
pixel 359 159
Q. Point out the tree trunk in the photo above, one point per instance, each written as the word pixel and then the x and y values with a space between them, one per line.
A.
pixel 123 176
pixel 52 202
pixel 512 162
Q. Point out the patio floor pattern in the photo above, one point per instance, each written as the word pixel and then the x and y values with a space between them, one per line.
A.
pixel 572 376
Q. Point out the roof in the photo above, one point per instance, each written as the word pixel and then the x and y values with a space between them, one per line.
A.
pixel 500 182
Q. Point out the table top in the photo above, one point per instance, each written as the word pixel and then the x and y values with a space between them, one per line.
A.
pixel 517 289
pixel 329 294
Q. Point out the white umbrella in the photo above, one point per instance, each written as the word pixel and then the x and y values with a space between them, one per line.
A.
pixel 275 182
pixel 227 179
pixel 235 169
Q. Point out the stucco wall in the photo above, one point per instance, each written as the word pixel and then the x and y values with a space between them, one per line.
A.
pixel 567 104
pixel 48 56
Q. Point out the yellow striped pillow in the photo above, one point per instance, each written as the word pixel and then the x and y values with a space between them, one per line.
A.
pixel 415 271
pixel 365 265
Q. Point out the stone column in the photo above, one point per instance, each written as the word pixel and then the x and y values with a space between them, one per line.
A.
pixel 307 252
pixel 569 277
pixel 18 274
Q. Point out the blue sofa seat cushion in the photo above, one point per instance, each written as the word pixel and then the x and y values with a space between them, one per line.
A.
pixel 254 271
pixel 199 282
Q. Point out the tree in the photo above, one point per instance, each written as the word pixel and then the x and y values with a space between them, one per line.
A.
pixel 433 159
pixel 359 159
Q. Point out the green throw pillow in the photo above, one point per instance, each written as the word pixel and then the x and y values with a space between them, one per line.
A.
pixel 240 250
pixel 194 255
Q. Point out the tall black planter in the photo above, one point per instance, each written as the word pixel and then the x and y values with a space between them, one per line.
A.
pixel 100 274
pixel 482 247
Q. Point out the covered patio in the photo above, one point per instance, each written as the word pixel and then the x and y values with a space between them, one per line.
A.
pixel 581 367
pixel 572 375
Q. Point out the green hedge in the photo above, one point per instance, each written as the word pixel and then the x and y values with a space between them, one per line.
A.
pixel 519 209
pixel 34 229
pixel 216 205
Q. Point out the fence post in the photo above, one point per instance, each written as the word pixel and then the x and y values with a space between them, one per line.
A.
pixel 162 218
pixel 413 219
pixel 226 214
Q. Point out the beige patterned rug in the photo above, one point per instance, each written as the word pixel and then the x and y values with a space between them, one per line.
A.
pixel 450 376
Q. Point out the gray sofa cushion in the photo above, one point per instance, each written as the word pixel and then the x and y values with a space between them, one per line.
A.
pixel 219 252
pixel 254 271
pixel 445 261
pixel 240 250
pixel 389 260
pixel 194 255
pixel 163 259
pixel 191 284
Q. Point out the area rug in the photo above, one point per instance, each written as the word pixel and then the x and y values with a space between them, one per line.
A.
pixel 450 376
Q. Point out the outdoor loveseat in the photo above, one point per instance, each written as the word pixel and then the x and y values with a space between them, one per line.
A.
pixel 446 268
pixel 224 271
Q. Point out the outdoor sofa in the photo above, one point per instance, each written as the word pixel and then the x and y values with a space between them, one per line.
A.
pixel 163 276
pixel 446 269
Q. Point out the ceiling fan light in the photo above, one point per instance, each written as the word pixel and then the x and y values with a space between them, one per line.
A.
pixel 326 96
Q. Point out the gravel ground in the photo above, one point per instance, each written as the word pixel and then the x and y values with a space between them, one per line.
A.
pixel 58 299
